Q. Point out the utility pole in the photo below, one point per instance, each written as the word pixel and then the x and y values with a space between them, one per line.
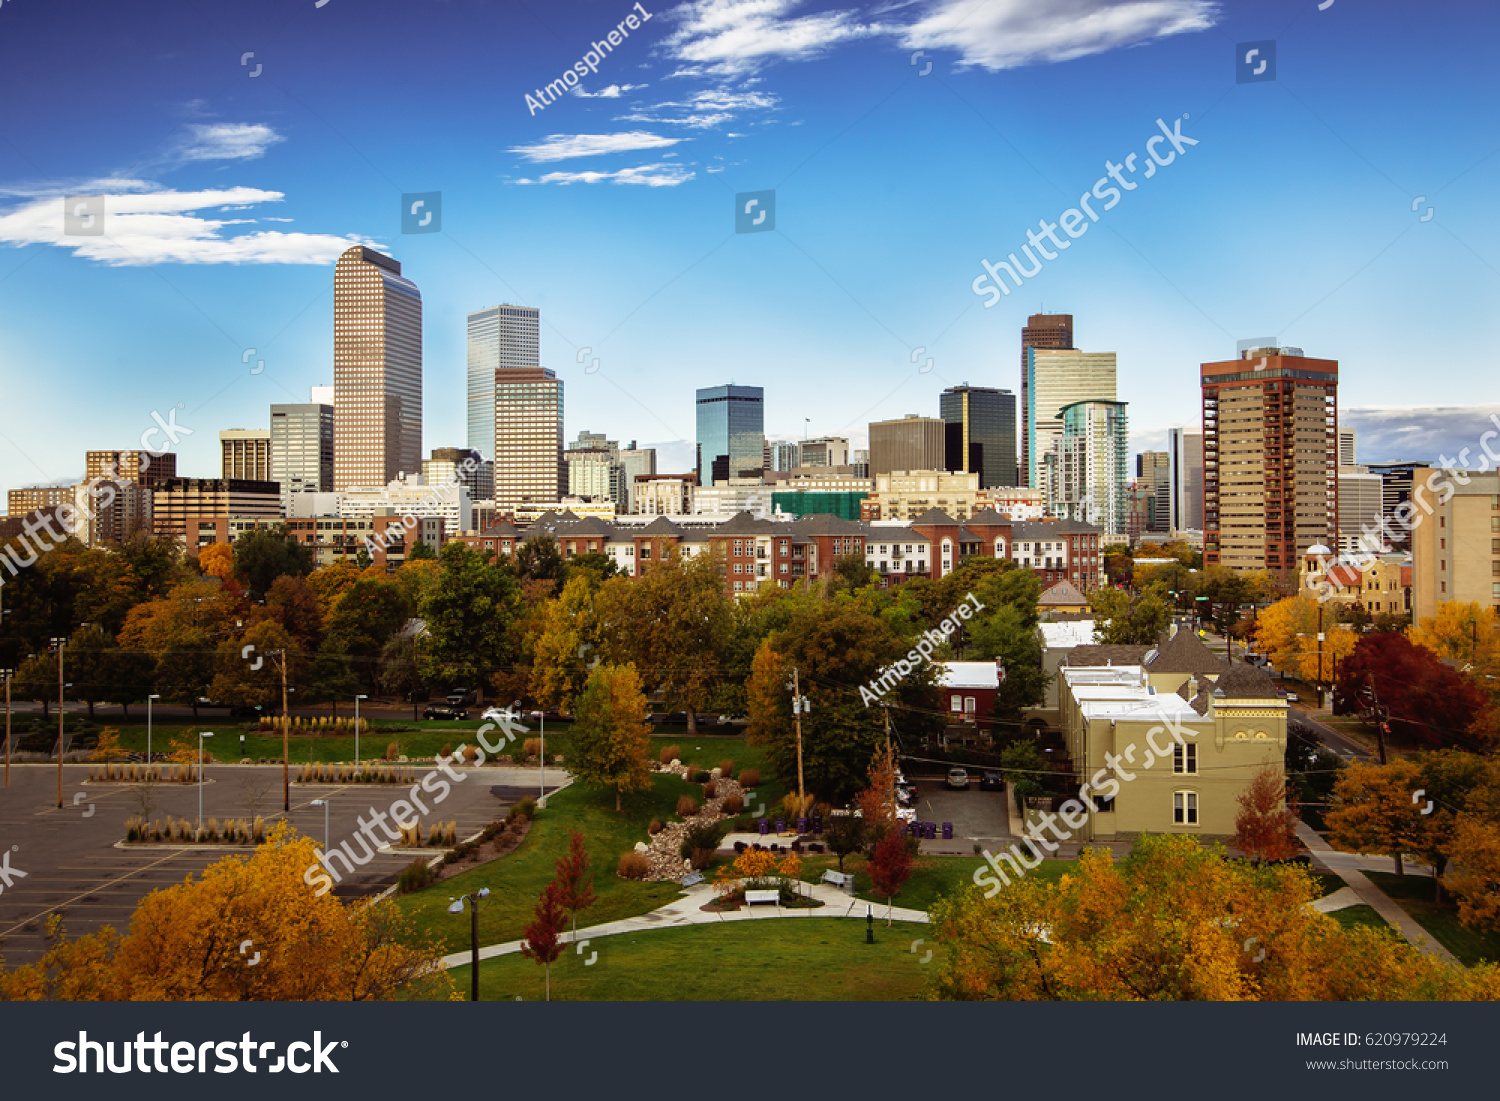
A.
pixel 799 705
pixel 286 743
pixel 7 674
pixel 1380 716
pixel 59 643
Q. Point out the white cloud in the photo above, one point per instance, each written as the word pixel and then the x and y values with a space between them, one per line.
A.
pixel 705 109
pixel 561 147
pixel 734 36
pixel 144 225
pixel 648 175
pixel 614 91
pixel 1006 34
pixel 1421 433
pixel 224 141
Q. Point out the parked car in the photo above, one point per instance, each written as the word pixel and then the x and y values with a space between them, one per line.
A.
pixel 991 781
pixel 906 814
pixel 1291 697
pixel 732 720
pixel 443 711
pixel 958 779
pixel 460 697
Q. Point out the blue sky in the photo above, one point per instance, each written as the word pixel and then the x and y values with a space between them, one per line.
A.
pixel 228 196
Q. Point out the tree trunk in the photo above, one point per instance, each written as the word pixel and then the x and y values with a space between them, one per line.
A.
pixel 125 708
pixel 692 717
pixel 1438 867
pixel 1399 869
pixel 548 970
pixel 91 710
pixel 619 807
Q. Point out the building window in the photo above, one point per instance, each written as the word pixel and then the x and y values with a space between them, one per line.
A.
pixel 1185 759
pixel 970 706
pixel 1185 808
pixel 956 705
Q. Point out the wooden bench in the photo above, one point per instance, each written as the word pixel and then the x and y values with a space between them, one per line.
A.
pixel 838 879
pixel 752 897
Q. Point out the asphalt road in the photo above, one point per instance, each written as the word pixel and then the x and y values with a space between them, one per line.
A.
pixel 65 860
pixel 1345 747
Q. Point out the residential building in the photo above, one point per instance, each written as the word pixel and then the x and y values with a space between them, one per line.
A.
pixel 110 510
pixel 968 690
pixel 724 500
pixel 246 454
pixel 731 433
pixel 911 443
pixel 501 338
pixel 29 499
pixel 464 466
pixel 1052 331
pixel 1058 377
pixel 447 500
pixel 907 494
pixel 302 447
pixel 386 538
pixel 132 466
pixel 1017 502
pixel 1153 475
pixel 664 494
pixel 823 451
pixel 377 370
pixel 175 499
pixel 529 465
pixel 980 433
pixel 1270 457
pixel 1091 466
pixel 1455 543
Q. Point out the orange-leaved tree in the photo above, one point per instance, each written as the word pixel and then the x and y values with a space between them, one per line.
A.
pixel 542 940
pixel 1266 826
pixel 1372 809
pixel 217 560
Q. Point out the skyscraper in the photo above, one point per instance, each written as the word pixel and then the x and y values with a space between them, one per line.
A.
pixel 1270 458
pixel 731 433
pixel 1042 330
pixel 1055 378
pixel 1153 475
pixel 911 443
pixel 377 370
pixel 980 433
pixel 302 448
pixel 500 338
pixel 529 463
pixel 1185 446
pixel 246 453
pixel 1091 466
pixel 1346 447
pixel 636 461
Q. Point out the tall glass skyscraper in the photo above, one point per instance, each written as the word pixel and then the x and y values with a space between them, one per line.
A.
pixel 500 338
pixel 980 433
pixel 731 433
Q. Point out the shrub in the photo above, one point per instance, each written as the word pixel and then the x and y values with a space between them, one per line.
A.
pixel 447 750
pixel 726 767
pixel 710 790
pixel 702 776
pixel 655 827
pixel 687 806
pixel 531 747
pixel 703 838
pixel 633 865
pixel 470 753
pixel 414 877
pixel 733 804
pixel 795 808
pixel 525 808
pixel 749 778
pixel 392 751
pixel 670 753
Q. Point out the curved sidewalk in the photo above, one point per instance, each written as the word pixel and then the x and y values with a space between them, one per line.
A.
pixel 687 910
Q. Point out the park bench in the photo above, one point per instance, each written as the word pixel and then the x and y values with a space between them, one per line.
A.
pixel 772 896
pixel 838 879
pixel 692 879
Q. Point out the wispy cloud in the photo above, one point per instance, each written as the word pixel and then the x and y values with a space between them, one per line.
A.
pixel 646 175
pixel 726 37
pixel 145 225
pixel 561 147
pixel 223 141
pixel 1007 34
pixel 613 91
pixel 705 109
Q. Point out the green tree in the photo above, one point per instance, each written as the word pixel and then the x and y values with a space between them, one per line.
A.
pixel 401 671
pixel 1122 621
pixel 368 613
pixel 539 558
pixel 332 677
pixel 611 740
pixel 420 550
pixel 263 555
pixel 467 614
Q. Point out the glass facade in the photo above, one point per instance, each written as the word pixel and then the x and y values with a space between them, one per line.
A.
pixel 500 338
pixel 980 433
pixel 731 433
pixel 302 448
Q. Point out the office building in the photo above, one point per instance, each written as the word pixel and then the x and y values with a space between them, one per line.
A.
pixel 782 455
pixel 1040 331
pixel 501 338
pixel 448 501
pixel 131 466
pixel 1455 545
pixel 529 463
pixel 635 461
pixel 1185 448
pixel 1395 491
pixel 911 443
pixel 175 499
pixel 1360 495
pixel 1346 447
pixel 462 466
pixel 1055 378
pixel 1270 458
pixel 909 494
pixel 377 370
pixel 823 451
pixel 29 499
pixel 980 437
pixel 731 433
pixel 1092 486
pixel 1153 478
pixel 302 447
pixel 246 454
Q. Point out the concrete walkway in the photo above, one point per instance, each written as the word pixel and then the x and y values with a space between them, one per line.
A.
pixel 1345 866
pixel 687 910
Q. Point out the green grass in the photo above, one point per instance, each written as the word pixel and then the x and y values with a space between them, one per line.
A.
pixel 1414 894
pixel 1351 916
pixel 779 959
pixel 516 881
pixel 932 877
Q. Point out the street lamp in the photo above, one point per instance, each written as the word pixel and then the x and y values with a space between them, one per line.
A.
pixel 541 799
pixel 324 804
pixel 356 727
pixel 7 674
pixel 149 698
pixel 59 643
pixel 457 907
pixel 201 735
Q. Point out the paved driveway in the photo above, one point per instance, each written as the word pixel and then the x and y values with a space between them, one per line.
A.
pixel 976 815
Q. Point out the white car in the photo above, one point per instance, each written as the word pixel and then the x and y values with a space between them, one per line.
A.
pixel 906 814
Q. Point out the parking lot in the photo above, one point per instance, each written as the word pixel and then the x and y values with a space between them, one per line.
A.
pixel 66 860
pixel 976 815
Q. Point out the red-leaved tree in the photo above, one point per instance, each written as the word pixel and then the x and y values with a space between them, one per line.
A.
pixel 1421 693
pixel 889 869
pixel 1266 826
pixel 574 883
pixel 543 938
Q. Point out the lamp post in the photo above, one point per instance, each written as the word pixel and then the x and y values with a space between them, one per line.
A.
pixel 59 643
pixel 457 908
pixel 149 698
pixel 541 799
pixel 201 735
pixel 7 674
pixel 324 804
pixel 357 698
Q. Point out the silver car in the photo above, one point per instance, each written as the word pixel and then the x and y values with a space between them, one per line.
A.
pixel 958 779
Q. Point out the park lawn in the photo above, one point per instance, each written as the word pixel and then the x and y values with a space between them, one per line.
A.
pixel 516 881
pixel 777 959
pixel 932 877
pixel 1352 916
pixel 1414 894
pixel 425 742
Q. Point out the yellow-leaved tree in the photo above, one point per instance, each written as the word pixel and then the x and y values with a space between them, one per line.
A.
pixel 1287 632
pixel 217 560
pixel 1463 632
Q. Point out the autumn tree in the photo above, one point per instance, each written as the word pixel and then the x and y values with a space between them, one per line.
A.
pixel 293 602
pixel 1372 809
pixel 1465 632
pixel 570 644
pixel 1475 881
pixel 575 885
pixel 1287 632
pixel 611 740
pixel 1266 826
pixel 184 942
pixel 542 939
pixel 364 618
pixel 890 868
pixel 217 560
pixel 330 583
pixel 877 802
pixel 248 672
pixel 1419 692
